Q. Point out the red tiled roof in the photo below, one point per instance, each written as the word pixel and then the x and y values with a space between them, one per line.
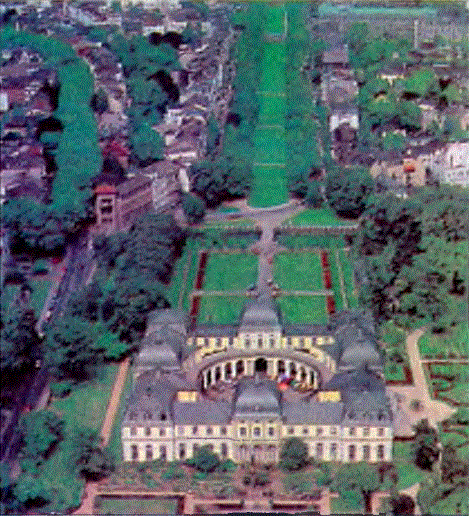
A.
pixel 105 189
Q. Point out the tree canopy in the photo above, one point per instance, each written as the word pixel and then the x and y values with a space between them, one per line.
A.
pixel 294 454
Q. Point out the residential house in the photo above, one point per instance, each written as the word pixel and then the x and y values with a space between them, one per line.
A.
pixel 450 164
pixel 336 57
pixel 345 113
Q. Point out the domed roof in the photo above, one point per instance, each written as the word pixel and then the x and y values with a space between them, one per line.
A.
pixel 158 354
pixel 258 396
pixel 360 352
pixel 261 312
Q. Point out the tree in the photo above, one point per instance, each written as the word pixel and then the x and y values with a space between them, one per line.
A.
pixel 31 491
pixel 147 144
pixel 452 467
pixel 425 445
pixel 99 102
pixel 92 462
pixel 204 459
pixel 294 454
pixel 20 341
pixel 41 430
pixel 313 195
pixel 361 477
pixel 348 189
pixel 70 348
pixel 194 208
pixel 402 505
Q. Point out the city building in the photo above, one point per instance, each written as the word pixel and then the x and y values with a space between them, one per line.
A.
pixel 226 387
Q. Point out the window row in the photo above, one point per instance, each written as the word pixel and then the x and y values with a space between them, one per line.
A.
pixel 163 451
pixel 354 431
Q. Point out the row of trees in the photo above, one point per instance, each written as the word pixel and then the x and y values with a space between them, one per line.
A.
pixel 75 151
pixel 415 257
pixel 146 69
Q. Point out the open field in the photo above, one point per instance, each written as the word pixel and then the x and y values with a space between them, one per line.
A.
pixel 220 310
pixel 298 271
pixel 273 110
pixel 452 344
pixel 271 186
pixel 270 147
pixel 273 69
pixel 230 271
pixel 275 17
pixel 303 309
pixel 135 505
pixel 317 241
pixel 407 471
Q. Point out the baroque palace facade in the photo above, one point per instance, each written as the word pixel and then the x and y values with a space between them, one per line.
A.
pixel 226 387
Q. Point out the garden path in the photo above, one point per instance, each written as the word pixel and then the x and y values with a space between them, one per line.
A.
pixel 433 410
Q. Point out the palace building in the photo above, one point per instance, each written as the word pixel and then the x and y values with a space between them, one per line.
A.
pixel 243 389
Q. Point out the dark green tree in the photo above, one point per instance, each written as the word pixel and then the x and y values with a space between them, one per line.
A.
pixel 92 462
pixel 147 144
pixel 294 454
pixel 361 477
pixel 194 208
pixel 425 445
pixel 313 197
pixel 205 460
pixel 99 102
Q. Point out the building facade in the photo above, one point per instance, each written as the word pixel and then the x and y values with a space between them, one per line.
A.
pixel 226 387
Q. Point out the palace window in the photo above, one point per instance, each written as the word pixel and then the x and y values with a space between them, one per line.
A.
pixel 147 431
pixel 182 451
pixel 134 452
pixel 305 430
pixel 224 450
pixel 380 452
pixel 351 431
pixel 291 430
pixel 366 452
pixel 333 430
pixel 271 342
pixel 163 452
pixel 333 450
pixel 381 431
pixel 223 430
pixel 133 431
pixel 242 431
pixel 271 431
pixel 209 430
pixel 257 431
pixel 319 450
pixel 149 452
pixel 162 432
pixel 351 452
pixel 133 416
pixel 366 431
pixel 319 430
pixel 194 430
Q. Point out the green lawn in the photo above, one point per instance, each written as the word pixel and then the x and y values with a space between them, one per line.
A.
pixel 270 147
pixel 347 271
pixel 273 68
pixel 342 505
pixel 87 403
pixel 135 505
pixel 8 294
pixel 273 110
pixel 230 271
pixel 38 296
pixel 220 310
pixel 456 342
pixel 298 271
pixel 275 16
pixel 317 217
pixel 318 241
pixel 303 309
pixel 408 473
pixel 269 186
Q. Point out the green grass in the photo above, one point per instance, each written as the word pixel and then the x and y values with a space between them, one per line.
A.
pixel 457 502
pixel 342 505
pixel 347 271
pixel 318 241
pixel 269 186
pixel 459 393
pixel 220 310
pixel 339 302
pixel 38 296
pixel 135 505
pixel 223 224
pixel 270 147
pixel 316 217
pixel 275 16
pixel 394 372
pixel 273 110
pixel 273 68
pixel 456 343
pixel 86 405
pixel 303 309
pixel 298 271
pixel 230 271
pixel 408 473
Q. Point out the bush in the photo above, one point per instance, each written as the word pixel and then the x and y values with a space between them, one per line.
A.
pixel 61 389
pixel 227 466
pixel 41 267
pixel 173 473
pixel 199 475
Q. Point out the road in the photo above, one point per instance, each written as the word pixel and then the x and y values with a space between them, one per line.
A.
pixel 78 262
